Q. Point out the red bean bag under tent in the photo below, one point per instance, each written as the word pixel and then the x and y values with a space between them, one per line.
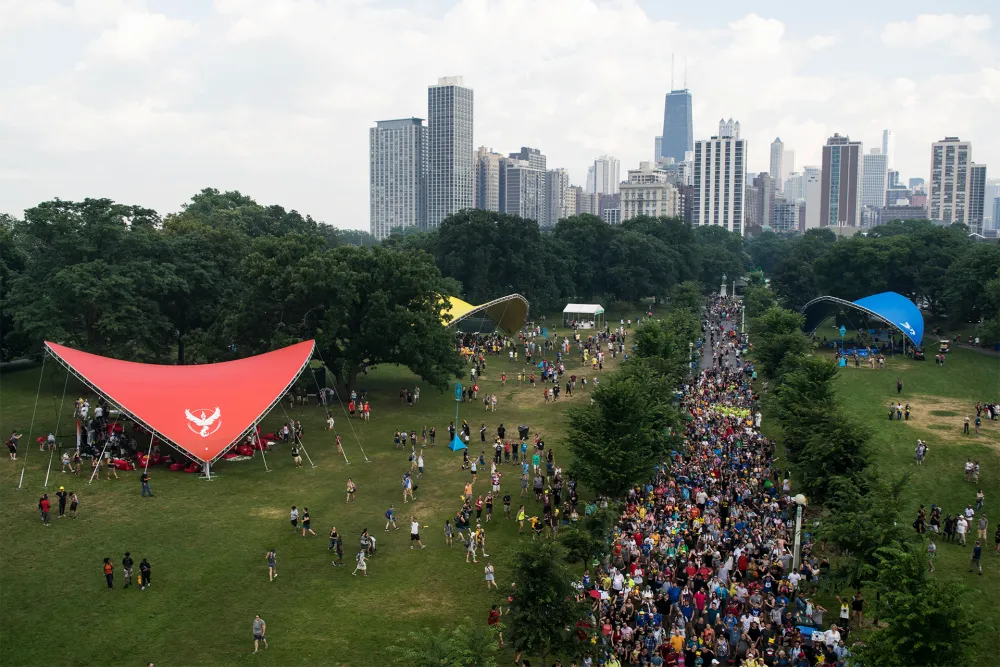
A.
pixel 122 464
pixel 177 467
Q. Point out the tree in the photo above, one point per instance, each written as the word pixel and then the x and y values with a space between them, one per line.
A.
pixel 665 344
pixel 92 278
pixel 465 645
pixel 803 398
pixel 543 611
pixel 925 622
pixel 619 438
pixel 836 447
pixel 687 296
pixel 778 337
pixel 964 280
pixel 365 306
pixel 862 519
pixel 766 251
pixel 756 300
pixel 13 342
pixel 720 253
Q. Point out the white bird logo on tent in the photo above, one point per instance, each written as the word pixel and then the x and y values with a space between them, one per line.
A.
pixel 906 325
pixel 204 422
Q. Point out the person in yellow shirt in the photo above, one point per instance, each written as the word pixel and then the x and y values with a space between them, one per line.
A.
pixel 677 642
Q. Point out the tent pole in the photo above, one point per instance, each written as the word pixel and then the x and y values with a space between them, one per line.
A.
pixel 299 440
pixel 98 466
pixel 58 422
pixel 207 471
pixel 24 461
pixel 256 436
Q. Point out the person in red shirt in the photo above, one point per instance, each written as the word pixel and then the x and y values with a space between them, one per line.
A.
pixel 109 572
pixel 493 621
pixel 45 507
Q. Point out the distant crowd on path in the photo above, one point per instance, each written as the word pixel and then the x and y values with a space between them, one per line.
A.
pixel 700 572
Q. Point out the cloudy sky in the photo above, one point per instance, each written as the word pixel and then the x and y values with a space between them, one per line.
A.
pixel 148 101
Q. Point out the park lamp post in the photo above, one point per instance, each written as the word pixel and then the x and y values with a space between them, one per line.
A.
pixel 800 503
pixel 691 355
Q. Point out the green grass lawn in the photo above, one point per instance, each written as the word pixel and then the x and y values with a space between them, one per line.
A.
pixel 940 398
pixel 206 541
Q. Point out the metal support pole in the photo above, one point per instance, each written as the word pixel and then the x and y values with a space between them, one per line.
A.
pixel 797 555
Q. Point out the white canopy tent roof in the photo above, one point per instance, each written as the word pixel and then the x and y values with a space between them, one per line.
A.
pixel 583 309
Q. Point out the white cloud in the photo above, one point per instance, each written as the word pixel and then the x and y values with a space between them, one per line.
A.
pixel 820 42
pixel 928 29
pixel 275 97
pixel 138 36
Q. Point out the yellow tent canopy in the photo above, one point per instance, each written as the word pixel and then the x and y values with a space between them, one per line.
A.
pixel 508 313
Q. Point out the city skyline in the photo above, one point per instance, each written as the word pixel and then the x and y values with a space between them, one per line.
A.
pixel 147 102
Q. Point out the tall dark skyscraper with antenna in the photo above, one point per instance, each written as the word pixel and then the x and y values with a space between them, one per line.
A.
pixel 678 133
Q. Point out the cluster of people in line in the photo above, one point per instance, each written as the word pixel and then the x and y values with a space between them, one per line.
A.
pixel 702 570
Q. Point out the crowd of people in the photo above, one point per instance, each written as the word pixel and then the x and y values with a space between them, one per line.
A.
pixel 701 570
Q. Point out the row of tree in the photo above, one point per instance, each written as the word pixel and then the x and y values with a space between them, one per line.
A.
pixel 227 277
pixel 940 268
pixel 924 622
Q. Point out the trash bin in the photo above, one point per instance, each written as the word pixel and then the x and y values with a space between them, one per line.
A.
pixel 523 431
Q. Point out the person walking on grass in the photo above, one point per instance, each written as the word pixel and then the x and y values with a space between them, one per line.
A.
pixel 305 523
pixel 109 573
pixel 470 547
pixel 272 564
pixel 961 528
pixel 361 566
pixel 44 507
pixel 931 553
pixel 259 632
pixel 899 386
pixel 63 497
pixel 337 545
pixel 351 490
pixel 982 525
pixel 144 478
pixel 976 563
pixel 415 532
pixel 390 518
pixel 996 541
pixel 490 576
pixel 520 519
pixel 146 574
pixel 74 503
pixel 293 518
pixel 448 533
pixel 127 569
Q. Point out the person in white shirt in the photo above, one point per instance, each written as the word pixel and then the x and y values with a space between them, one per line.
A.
pixel 831 636
pixel 415 532
pixel 961 527
pixel 329 422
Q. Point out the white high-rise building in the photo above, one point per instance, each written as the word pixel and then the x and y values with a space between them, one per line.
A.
pixel 889 147
pixel 874 179
pixel 657 148
pixel 647 192
pixel 397 175
pixel 556 185
pixel 719 179
pixel 606 180
pixel 777 170
pixel 591 179
pixel 794 186
pixel 787 165
pixel 812 192
pixel 450 174
pixel 487 175
pixel 948 192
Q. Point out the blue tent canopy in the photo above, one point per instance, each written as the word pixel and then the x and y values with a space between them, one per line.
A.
pixel 456 444
pixel 894 309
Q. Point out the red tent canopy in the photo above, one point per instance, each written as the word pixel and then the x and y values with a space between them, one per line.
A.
pixel 202 409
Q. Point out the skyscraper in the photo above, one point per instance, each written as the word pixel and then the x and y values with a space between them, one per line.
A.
pixel 591 180
pixel 522 189
pixel 948 195
pixel 397 175
pixel 556 185
pixel 450 175
pixel 992 192
pixel 889 147
pixel 840 204
pixel 812 190
pixel 787 165
pixel 977 197
pixel 678 132
pixel 606 178
pixel 532 156
pixel 657 148
pixel 794 186
pixel 719 175
pixel 777 170
pixel 487 177
pixel 874 179
pixel 760 201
